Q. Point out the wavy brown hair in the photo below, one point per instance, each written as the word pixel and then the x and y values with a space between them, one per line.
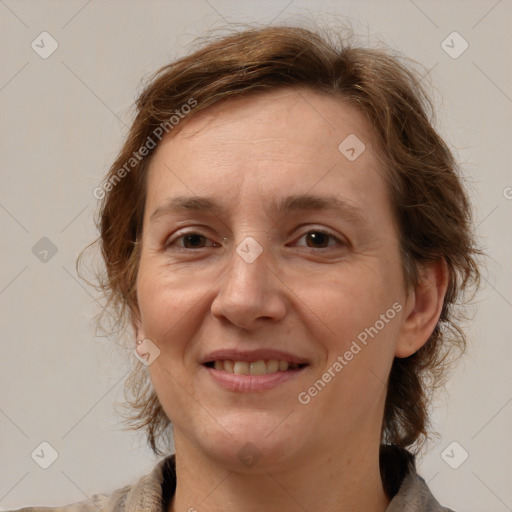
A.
pixel 429 201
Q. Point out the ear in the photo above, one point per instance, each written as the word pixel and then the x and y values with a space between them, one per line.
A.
pixel 423 308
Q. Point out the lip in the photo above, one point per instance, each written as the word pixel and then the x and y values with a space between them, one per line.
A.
pixel 251 383
pixel 252 355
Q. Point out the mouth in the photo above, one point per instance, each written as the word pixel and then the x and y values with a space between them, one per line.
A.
pixel 254 370
pixel 258 367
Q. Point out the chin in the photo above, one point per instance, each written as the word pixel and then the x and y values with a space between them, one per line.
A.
pixel 252 443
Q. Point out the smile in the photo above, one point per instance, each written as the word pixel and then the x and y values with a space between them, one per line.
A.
pixel 259 367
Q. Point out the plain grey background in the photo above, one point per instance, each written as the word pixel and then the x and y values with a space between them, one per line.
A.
pixel 63 121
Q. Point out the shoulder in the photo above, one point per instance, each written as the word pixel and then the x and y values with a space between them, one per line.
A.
pixel 145 494
pixel 104 502
pixel 415 496
pixel 409 491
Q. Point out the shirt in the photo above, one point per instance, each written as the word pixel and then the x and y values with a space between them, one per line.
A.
pixel 153 492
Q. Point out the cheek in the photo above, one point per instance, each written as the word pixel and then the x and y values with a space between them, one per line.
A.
pixel 160 304
pixel 356 299
pixel 363 311
pixel 166 305
pixel 364 322
pixel 172 306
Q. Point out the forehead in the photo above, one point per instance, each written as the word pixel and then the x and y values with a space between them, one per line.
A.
pixel 268 145
pixel 301 117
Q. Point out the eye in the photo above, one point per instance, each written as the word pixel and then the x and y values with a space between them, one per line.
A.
pixel 190 241
pixel 318 239
pixel 314 239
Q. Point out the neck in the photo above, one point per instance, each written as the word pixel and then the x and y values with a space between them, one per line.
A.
pixel 345 480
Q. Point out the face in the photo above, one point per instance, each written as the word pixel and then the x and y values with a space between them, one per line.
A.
pixel 270 278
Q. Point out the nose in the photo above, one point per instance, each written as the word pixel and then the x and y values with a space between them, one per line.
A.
pixel 251 290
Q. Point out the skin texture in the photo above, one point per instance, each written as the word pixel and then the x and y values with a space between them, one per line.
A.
pixel 307 296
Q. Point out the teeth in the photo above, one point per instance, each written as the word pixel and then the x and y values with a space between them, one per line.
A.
pixel 283 366
pixel 241 368
pixel 272 366
pixel 259 367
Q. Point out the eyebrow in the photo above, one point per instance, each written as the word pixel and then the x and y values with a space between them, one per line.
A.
pixel 341 207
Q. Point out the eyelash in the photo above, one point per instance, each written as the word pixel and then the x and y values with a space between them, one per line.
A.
pixel 169 244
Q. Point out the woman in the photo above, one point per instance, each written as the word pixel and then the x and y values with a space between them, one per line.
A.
pixel 287 235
